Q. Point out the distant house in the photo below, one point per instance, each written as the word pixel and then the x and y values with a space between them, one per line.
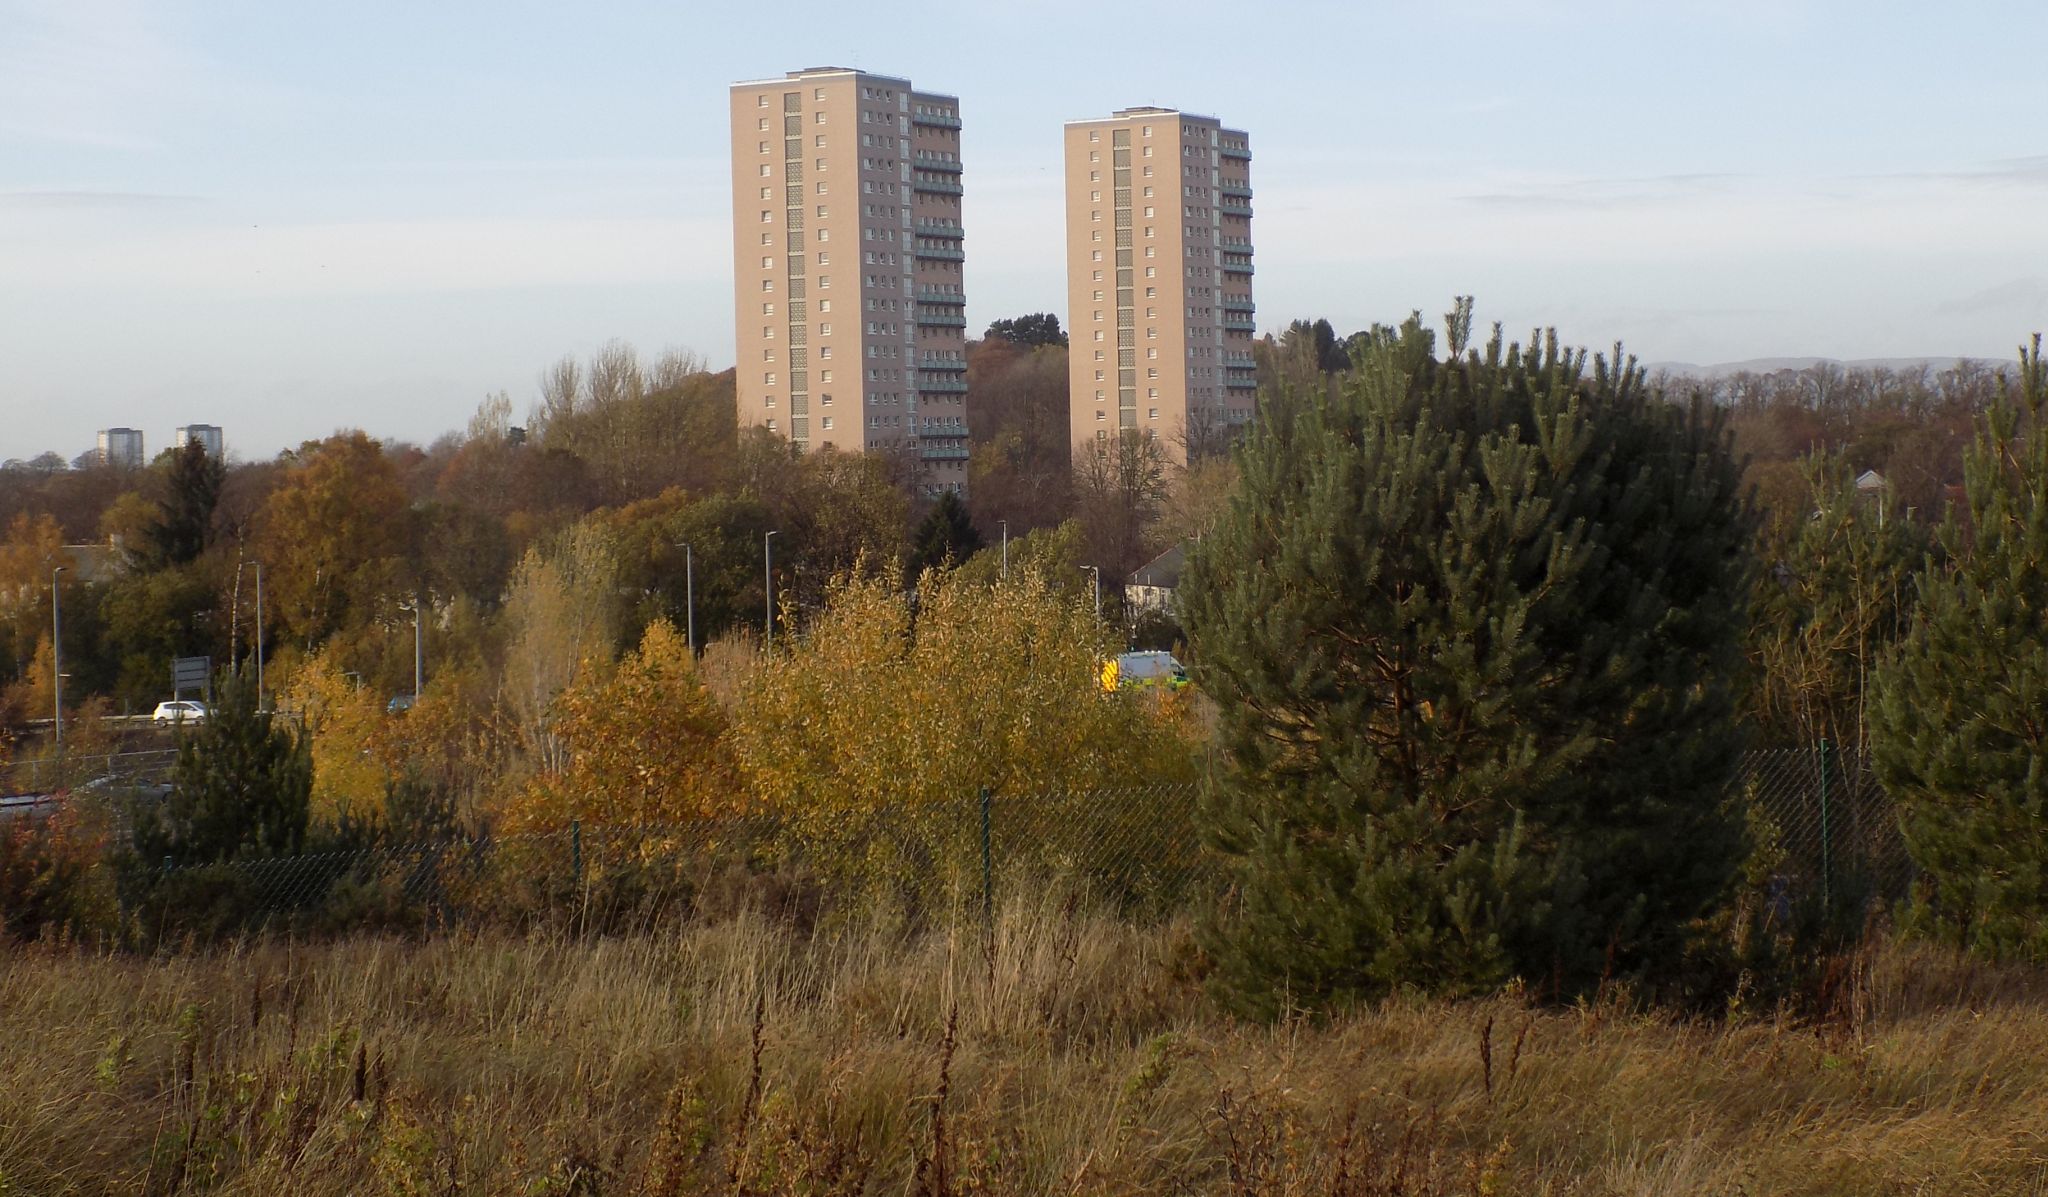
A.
pixel 1152 587
pixel 1870 482
pixel 95 563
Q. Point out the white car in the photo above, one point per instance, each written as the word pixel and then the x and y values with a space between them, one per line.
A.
pixel 184 711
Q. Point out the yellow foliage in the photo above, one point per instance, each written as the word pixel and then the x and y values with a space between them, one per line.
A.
pixel 645 743
pixel 346 723
pixel 880 706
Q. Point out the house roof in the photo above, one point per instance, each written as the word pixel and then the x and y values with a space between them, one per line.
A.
pixel 1870 480
pixel 1164 570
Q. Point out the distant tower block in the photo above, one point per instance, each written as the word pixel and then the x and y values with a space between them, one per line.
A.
pixel 208 436
pixel 121 448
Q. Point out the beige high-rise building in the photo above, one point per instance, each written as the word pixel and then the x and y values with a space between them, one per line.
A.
pixel 847 262
pixel 1159 280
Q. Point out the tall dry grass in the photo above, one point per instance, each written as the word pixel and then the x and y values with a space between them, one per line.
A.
pixel 1071 1055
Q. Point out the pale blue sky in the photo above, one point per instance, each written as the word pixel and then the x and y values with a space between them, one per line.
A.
pixel 287 218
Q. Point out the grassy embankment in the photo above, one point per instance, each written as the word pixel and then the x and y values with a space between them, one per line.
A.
pixel 1081 1058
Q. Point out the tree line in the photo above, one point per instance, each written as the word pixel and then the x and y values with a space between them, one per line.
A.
pixel 1514 611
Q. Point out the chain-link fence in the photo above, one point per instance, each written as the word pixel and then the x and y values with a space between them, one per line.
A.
pixel 1825 831
pixel 38 778
pixel 1134 850
pixel 1828 831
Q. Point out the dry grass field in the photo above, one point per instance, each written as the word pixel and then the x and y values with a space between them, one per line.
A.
pixel 1078 1056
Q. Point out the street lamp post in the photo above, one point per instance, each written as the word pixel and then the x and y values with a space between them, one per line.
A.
pixel 1096 572
pixel 57 655
pixel 419 657
pixel 768 586
pixel 258 565
pixel 690 597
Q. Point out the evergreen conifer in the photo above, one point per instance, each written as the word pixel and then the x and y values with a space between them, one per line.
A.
pixel 242 787
pixel 1959 728
pixel 947 536
pixel 1473 627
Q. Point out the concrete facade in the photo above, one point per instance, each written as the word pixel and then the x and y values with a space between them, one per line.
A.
pixel 208 435
pixel 1159 280
pixel 121 447
pixel 848 267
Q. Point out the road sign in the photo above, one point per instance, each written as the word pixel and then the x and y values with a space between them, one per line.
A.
pixel 191 673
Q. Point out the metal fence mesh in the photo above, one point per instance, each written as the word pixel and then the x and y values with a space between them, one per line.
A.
pixel 1825 830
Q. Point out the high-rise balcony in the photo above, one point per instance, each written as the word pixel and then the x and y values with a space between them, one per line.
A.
pixel 932 361
pixel 1241 153
pixel 1235 245
pixel 935 119
pixel 942 385
pixel 1237 263
pixel 1231 303
pixel 934 295
pixel 949 319
pixel 938 228
pixel 1240 361
pixel 1234 207
pixel 944 452
pixel 944 253
pixel 1234 191
pixel 935 186
pixel 1240 323
pixel 924 161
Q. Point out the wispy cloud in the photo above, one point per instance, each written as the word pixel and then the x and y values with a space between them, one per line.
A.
pixel 59 200
pixel 1605 193
pixel 2022 295
pixel 2028 171
pixel 378 258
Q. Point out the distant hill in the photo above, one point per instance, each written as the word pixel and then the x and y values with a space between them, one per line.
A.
pixel 1771 365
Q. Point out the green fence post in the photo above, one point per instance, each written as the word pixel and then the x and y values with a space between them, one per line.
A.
pixel 576 849
pixel 988 890
pixel 1827 862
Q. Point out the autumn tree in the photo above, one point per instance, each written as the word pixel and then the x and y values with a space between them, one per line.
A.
pixel 643 744
pixel 1053 555
pixel 1021 464
pixel 33 548
pixel 641 427
pixel 561 618
pixel 872 708
pixel 334 537
pixel 1119 487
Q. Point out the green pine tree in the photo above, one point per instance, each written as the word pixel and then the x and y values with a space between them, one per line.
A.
pixel 1959 729
pixel 1473 628
pixel 946 537
pixel 241 787
pixel 184 523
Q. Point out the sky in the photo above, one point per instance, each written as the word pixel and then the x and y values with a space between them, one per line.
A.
pixel 290 218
